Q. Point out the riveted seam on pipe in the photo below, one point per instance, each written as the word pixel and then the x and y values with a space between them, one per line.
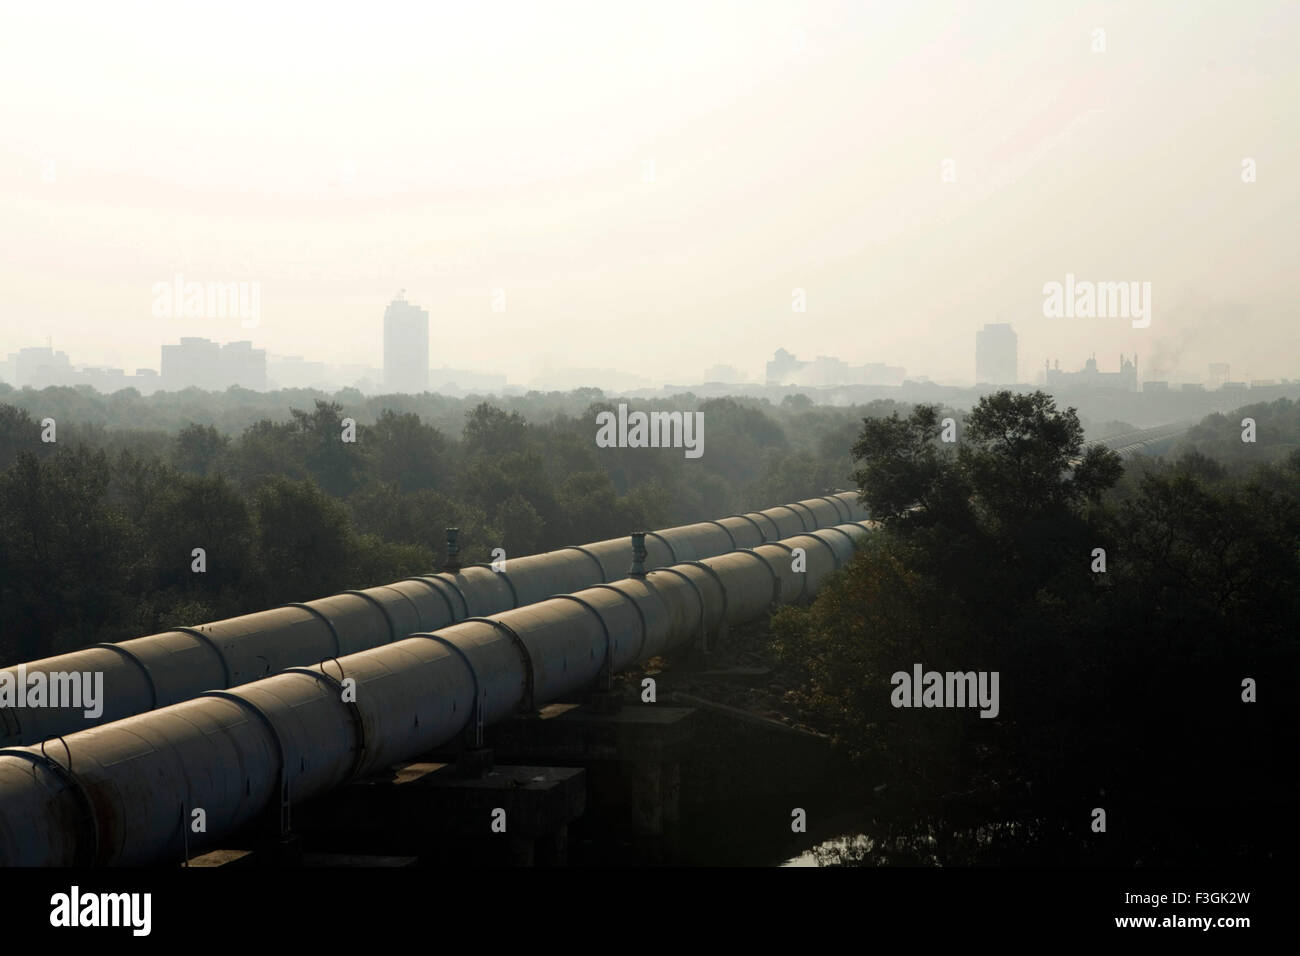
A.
pixel 338 645
pixel 726 532
pixel 434 583
pixel 775 528
pixel 514 595
pixel 353 708
pixel 837 504
pixel 282 778
pixel 815 523
pixel 835 560
pixel 847 537
pixel 392 628
pixel 842 497
pixel 816 519
pixel 698 594
pixel 672 553
pixel 722 588
pixel 607 665
pixel 636 605
pixel 153 687
pixel 83 855
pixel 789 549
pixel 414 606
pixel 776 581
pixel 527 703
pixel 761 536
pixel 595 560
pixel 475 717
pixel 195 632
pixel 803 523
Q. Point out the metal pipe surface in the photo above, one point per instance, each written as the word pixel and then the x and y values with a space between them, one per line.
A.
pixel 124 793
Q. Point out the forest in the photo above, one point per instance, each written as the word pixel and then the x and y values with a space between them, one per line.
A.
pixel 1139 618
pixel 1137 613
pixel 99 525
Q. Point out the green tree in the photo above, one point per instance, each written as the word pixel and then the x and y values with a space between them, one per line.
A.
pixel 491 432
pixel 336 465
pixel 304 538
pixel 207 513
pixel 408 452
pixel 199 449
pixel 521 526
pixel 67 557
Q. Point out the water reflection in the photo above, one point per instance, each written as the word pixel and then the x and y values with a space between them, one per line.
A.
pixel 925 844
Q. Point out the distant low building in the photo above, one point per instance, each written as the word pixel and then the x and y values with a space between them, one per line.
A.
pixel 43 367
pixel 40 366
pixel 826 370
pixel 1155 386
pixel 454 380
pixel 202 363
pixel 293 371
pixel 1090 376
pixel 724 374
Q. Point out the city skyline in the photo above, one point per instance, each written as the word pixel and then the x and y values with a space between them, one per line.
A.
pixel 191 357
pixel 984 156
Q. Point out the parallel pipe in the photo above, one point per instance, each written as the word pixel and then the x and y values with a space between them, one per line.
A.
pixel 184 662
pixel 124 793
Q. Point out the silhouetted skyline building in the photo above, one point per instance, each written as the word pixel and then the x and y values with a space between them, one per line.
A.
pixel 406 347
pixel 996 357
pixel 827 370
pixel 202 363
pixel 39 366
pixel 1090 377
pixel 723 373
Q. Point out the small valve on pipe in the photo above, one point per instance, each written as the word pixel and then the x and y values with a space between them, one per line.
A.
pixel 453 551
pixel 638 555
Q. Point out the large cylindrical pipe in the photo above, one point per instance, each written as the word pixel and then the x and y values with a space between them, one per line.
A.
pixel 149 672
pixel 123 793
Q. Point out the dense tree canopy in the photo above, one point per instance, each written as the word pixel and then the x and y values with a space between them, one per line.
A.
pixel 1115 684
pixel 100 525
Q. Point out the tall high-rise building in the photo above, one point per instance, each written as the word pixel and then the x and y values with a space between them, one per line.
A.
pixel 406 347
pixel 995 355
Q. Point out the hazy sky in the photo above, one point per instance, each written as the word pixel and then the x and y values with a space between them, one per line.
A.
pixel 337 153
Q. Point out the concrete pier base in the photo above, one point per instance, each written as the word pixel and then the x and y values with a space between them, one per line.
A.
pixel 510 815
pixel 286 850
pixel 633 761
